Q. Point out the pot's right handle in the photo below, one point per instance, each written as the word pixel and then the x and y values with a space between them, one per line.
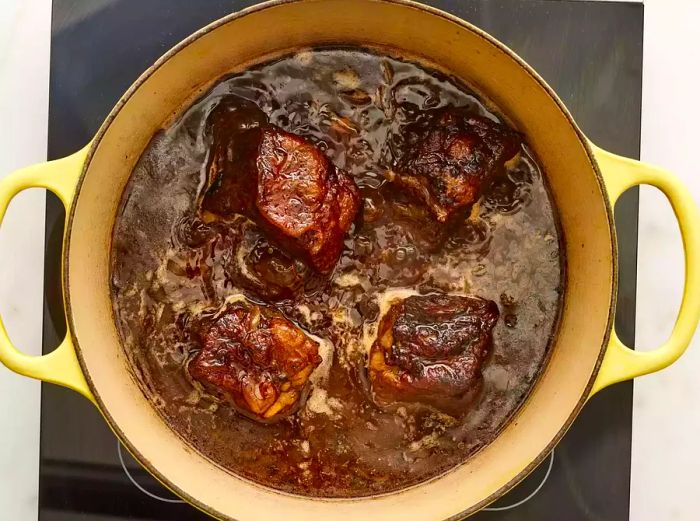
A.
pixel 620 362
pixel 61 365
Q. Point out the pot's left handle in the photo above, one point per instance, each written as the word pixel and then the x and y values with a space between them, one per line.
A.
pixel 61 365
pixel 620 362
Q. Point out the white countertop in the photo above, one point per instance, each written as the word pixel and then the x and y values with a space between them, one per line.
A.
pixel 666 429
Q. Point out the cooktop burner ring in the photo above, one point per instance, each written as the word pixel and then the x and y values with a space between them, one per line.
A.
pixel 489 509
pixel 531 494
pixel 136 483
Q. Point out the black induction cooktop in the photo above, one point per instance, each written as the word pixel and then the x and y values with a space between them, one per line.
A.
pixel 591 54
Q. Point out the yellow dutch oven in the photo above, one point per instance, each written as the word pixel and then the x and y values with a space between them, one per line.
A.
pixel 585 182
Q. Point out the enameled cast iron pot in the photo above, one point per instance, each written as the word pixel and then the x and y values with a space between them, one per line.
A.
pixel 585 182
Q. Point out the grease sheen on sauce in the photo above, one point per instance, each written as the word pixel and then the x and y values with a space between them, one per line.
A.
pixel 352 104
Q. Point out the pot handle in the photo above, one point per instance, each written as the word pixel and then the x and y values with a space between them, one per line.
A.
pixel 61 365
pixel 620 362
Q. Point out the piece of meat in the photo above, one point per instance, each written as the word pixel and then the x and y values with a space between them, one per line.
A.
pixel 277 275
pixel 416 220
pixel 256 359
pixel 234 127
pixel 429 349
pixel 451 154
pixel 284 183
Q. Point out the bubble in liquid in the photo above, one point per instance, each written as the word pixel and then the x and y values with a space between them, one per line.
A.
pixel 479 270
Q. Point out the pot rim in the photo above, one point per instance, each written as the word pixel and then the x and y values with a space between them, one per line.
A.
pixel 124 99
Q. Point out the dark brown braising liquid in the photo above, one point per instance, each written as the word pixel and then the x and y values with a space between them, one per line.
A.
pixel 168 265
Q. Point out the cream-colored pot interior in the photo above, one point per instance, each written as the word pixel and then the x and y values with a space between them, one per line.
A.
pixel 229 46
